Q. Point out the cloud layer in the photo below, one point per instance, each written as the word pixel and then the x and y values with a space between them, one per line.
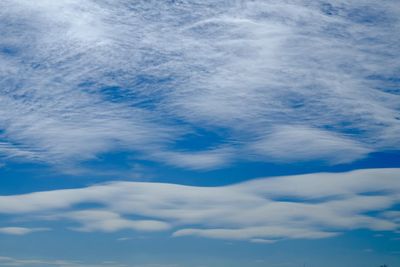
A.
pixel 310 206
pixel 79 78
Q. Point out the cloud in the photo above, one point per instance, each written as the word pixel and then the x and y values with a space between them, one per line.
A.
pixel 250 233
pixel 124 239
pixel 20 230
pixel 310 206
pixel 97 220
pixel 197 160
pixel 10 261
pixel 80 78
pixel 308 144
pixel 262 241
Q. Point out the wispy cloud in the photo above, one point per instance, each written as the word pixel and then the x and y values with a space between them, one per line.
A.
pixel 21 230
pixel 308 206
pixel 307 144
pixel 80 77
pixel 10 261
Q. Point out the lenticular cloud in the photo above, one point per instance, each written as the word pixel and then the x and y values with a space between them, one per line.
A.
pixel 311 206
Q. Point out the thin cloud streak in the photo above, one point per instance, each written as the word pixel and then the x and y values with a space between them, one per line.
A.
pixel 21 230
pixel 10 261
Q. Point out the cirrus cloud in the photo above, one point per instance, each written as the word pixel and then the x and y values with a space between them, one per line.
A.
pixel 79 78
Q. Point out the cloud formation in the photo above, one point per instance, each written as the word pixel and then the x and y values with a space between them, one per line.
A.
pixel 10 261
pixel 309 206
pixel 79 78
pixel 20 230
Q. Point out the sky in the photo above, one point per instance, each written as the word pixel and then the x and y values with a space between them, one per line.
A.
pixel 175 133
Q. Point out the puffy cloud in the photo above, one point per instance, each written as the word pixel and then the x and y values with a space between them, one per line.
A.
pixel 79 78
pixel 311 206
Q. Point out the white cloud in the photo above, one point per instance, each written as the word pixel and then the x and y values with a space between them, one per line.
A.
pixel 197 160
pixel 10 261
pixel 97 220
pixel 79 78
pixel 308 206
pixel 307 143
pixel 262 241
pixel 124 239
pixel 20 230
pixel 250 233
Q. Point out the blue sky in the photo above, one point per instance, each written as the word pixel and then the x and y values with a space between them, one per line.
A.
pixel 199 133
